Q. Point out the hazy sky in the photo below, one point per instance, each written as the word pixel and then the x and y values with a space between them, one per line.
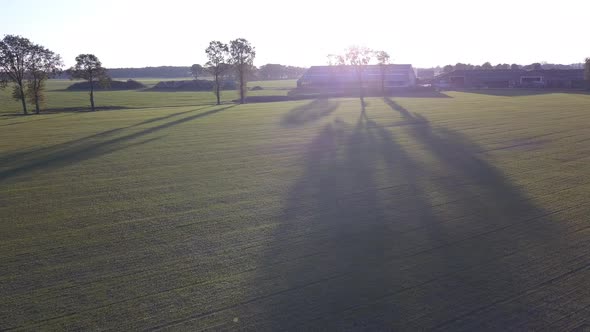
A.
pixel 127 33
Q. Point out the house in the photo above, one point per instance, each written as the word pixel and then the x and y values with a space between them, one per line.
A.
pixel 509 78
pixel 394 75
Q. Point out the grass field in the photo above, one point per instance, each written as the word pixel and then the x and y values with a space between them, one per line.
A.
pixel 464 212
pixel 59 99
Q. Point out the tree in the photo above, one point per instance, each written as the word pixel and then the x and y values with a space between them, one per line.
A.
pixel 15 58
pixel 534 66
pixel 448 68
pixel 487 66
pixel 358 57
pixel 514 66
pixel 217 53
pixel 44 64
pixel 89 68
pixel 196 70
pixel 242 56
pixel 383 60
pixel 587 72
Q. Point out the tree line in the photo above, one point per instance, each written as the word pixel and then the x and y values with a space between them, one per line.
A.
pixel 505 66
pixel 269 71
pixel 27 66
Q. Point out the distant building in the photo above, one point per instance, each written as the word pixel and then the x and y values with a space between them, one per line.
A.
pixel 395 76
pixel 509 78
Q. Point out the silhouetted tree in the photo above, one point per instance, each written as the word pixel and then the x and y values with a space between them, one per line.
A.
pixel 44 64
pixel 242 55
pixel 514 66
pixel 502 66
pixel 448 68
pixel 357 57
pixel 217 53
pixel 534 66
pixel 196 70
pixel 16 53
pixel 383 60
pixel 89 68
pixel 487 66
pixel 461 66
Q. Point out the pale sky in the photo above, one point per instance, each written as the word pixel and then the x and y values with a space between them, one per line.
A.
pixel 126 33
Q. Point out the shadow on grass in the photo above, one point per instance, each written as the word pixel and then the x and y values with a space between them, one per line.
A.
pixel 372 239
pixel 90 146
pixel 309 112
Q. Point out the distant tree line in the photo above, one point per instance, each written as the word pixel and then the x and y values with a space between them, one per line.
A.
pixel 269 71
pixel 505 66
pixel 273 71
pixel 26 66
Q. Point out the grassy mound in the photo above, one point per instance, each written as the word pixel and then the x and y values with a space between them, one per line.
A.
pixel 112 85
pixel 192 85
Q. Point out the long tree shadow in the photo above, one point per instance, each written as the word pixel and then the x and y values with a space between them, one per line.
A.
pixel 338 241
pixel 373 239
pixel 496 218
pixel 89 147
pixel 23 155
pixel 309 112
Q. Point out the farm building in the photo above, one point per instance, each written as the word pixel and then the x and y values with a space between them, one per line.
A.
pixel 508 78
pixel 395 76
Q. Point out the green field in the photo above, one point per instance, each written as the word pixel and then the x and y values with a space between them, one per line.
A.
pixel 467 211
pixel 59 99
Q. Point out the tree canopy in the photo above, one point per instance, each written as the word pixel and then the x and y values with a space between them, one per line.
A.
pixel 16 54
pixel 242 55
pixel 358 57
pixel 196 71
pixel 89 68
pixel 44 64
pixel 217 53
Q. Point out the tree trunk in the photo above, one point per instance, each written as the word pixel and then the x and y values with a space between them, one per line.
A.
pixel 361 96
pixel 241 87
pixel 37 108
pixel 217 88
pixel 92 95
pixel 37 87
pixel 22 99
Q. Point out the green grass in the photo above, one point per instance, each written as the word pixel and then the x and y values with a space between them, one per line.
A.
pixel 460 213
pixel 57 98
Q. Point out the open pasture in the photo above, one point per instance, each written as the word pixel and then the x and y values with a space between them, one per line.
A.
pixel 463 212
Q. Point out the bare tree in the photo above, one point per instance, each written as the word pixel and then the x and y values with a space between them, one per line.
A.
pixel 242 58
pixel 358 57
pixel 44 64
pixel 383 60
pixel 217 53
pixel 15 58
pixel 89 68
